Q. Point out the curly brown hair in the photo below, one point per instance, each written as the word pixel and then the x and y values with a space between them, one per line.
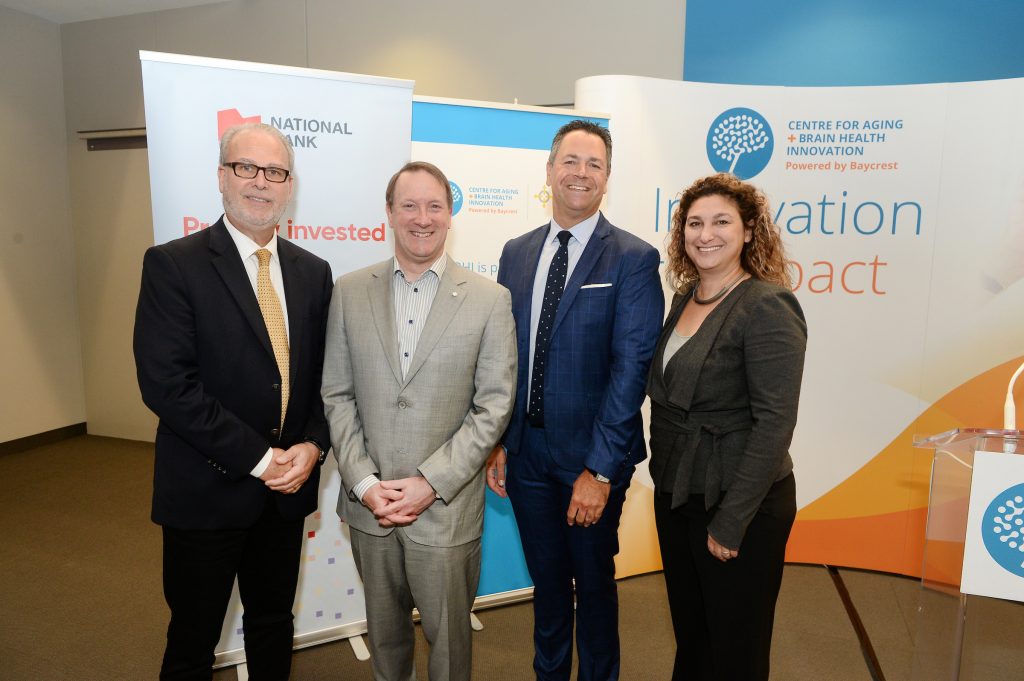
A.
pixel 763 256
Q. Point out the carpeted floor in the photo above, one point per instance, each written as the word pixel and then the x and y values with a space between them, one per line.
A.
pixel 80 597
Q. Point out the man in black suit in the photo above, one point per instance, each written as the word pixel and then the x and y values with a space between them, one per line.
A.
pixel 229 344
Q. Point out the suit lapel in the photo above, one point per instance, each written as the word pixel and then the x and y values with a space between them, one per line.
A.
pixel 292 277
pixel 451 293
pixel 591 254
pixel 382 310
pixel 228 264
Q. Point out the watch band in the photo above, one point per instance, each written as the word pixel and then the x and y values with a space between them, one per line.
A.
pixel 323 453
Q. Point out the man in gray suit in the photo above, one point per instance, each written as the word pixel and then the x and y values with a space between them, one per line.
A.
pixel 418 384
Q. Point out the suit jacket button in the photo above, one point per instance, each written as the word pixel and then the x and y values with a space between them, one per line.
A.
pixel 402 405
pixel 275 432
pixel 276 386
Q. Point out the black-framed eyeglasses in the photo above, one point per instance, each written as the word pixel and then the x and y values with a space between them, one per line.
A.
pixel 248 171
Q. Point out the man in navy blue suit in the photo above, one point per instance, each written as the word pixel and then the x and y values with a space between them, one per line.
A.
pixel 588 306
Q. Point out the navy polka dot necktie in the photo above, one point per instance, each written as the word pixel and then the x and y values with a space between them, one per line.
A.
pixel 552 294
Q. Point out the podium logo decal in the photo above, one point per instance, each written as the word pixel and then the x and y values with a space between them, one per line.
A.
pixel 1003 529
pixel 740 142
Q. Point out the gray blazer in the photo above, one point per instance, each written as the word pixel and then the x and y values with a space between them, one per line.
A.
pixel 440 421
pixel 725 407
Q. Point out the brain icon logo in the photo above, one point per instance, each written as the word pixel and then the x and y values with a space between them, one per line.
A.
pixel 1003 529
pixel 456 198
pixel 740 142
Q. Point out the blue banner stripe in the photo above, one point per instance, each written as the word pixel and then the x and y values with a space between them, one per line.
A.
pixel 852 42
pixel 487 127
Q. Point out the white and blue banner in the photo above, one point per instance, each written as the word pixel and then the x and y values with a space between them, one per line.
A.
pixel 495 158
pixel 902 212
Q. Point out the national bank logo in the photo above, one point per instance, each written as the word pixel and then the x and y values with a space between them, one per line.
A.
pixel 1003 529
pixel 740 142
pixel 303 133
pixel 456 198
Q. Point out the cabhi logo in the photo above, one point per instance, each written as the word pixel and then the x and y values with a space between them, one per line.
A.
pixel 740 142
pixel 456 198
pixel 1003 529
pixel 291 126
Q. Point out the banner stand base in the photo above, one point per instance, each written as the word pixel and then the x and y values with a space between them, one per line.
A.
pixel 354 631
pixel 359 649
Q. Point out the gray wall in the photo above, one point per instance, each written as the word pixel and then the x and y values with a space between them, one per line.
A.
pixel 40 359
pixel 531 50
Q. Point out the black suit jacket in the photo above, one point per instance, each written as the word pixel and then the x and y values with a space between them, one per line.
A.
pixel 206 368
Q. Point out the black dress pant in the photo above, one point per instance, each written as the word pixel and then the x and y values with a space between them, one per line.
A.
pixel 723 613
pixel 199 572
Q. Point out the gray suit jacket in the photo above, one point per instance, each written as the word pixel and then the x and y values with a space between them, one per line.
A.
pixel 729 399
pixel 442 419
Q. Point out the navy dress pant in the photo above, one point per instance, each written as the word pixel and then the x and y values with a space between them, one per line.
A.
pixel 568 565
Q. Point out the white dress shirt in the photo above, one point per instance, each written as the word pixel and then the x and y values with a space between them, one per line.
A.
pixel 581 234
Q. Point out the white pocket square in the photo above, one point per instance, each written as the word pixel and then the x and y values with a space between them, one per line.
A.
pixel 594 286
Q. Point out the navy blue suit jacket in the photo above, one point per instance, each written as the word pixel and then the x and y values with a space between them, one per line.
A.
pixel 207 369
pixel 601 347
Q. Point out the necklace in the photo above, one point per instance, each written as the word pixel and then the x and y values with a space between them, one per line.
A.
pixel 719 295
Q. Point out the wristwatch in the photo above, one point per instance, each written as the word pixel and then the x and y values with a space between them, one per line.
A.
pixel 599 477
pixel 323 453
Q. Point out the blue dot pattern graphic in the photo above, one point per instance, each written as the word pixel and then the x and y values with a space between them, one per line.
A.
pixel 456 198
pixel 740 142
pixel 1002 528
pixel 552 295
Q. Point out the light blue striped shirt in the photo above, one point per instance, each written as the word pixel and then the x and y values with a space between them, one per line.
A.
pixel 412 301
pixel 412 305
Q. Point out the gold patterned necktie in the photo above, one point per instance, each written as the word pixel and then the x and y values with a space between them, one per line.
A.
pixel 273 317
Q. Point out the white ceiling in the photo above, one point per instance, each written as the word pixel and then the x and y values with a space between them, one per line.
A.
pixel 67 11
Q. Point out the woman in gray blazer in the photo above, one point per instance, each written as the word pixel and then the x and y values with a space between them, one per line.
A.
pixel 724 388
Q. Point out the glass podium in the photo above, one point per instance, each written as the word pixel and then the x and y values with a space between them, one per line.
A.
pixel 943 624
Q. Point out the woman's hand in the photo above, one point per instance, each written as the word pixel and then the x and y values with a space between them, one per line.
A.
pixel 720 552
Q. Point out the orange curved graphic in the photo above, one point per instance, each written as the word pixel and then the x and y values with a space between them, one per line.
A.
pixel 875 519
pixel 638 536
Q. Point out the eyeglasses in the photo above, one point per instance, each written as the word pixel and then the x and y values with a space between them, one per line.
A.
pixel 248 171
